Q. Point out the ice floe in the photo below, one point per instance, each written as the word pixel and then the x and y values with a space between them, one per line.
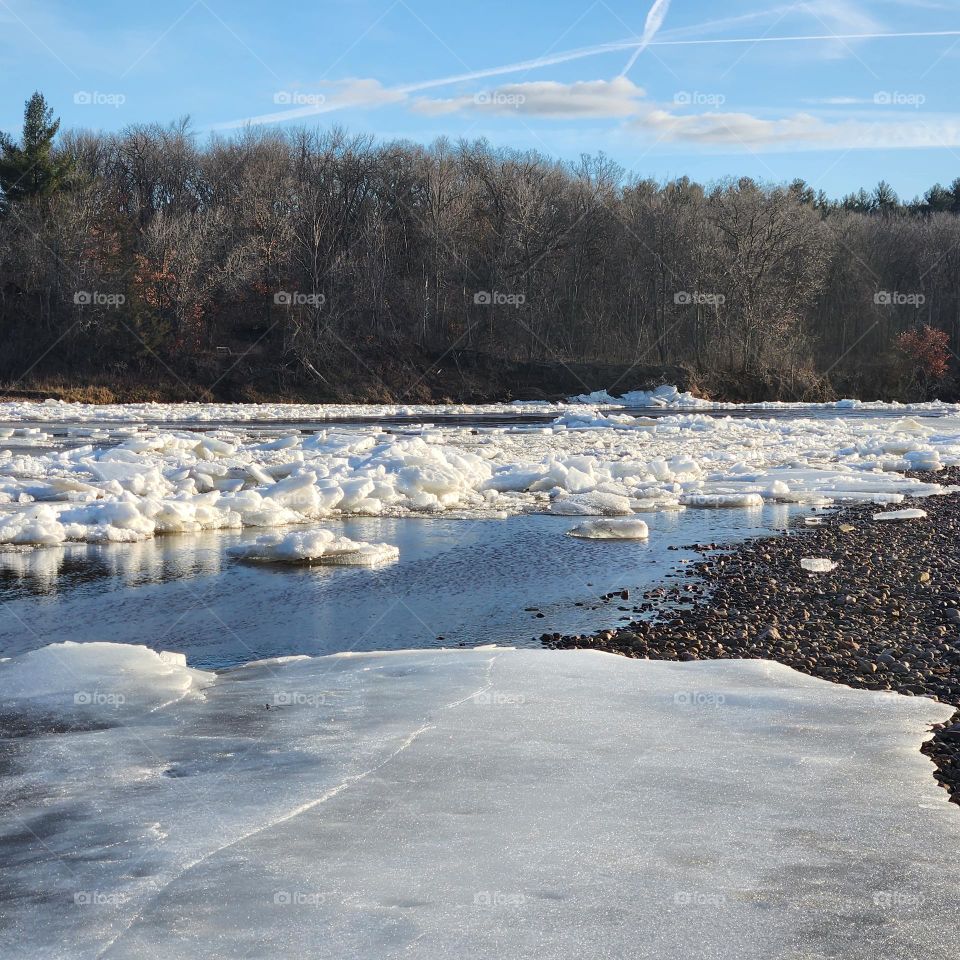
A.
pixel 93 679
pixel 316 546
pixel 129 480
pixel 722 500
pixel 468 803
pixel 611 530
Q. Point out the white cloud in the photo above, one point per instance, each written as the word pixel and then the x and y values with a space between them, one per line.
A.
pixel 729 128
pixel 799 131
pixel 362 92
pixel 588 98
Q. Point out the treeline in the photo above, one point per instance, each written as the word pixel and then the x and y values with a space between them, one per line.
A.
pixel 316 254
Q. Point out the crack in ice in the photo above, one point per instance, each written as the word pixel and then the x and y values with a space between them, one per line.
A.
pixel 298 811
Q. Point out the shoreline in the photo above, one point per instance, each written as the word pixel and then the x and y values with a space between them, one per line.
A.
pixel 887 618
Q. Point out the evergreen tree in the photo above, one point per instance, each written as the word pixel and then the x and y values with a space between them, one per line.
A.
pixel 32 169
pixel 885 198
pixel 940 199
pixel 860 202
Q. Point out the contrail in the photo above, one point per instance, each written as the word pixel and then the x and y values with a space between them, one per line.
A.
pixel 577 54
pixel 654 22
pixel 618 45
pixel 826 36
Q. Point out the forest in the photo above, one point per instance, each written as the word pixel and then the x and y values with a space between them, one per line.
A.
pixel 316 264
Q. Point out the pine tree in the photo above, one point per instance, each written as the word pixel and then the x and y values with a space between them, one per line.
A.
pixel 861 202
pixel 31 169
pixel 885 198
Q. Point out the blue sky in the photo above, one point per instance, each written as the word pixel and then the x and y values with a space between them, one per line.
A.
pixel 689 87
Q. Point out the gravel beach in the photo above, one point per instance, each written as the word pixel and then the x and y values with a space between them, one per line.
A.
pixel 886 617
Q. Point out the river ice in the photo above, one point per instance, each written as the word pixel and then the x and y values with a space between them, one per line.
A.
pixel 121 479
pixel 315 546
pixel 482 803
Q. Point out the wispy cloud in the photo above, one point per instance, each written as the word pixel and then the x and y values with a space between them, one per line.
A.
pixel 547 98
pixel 362 93
pixel 799 131
pixel 841 15
pixel 734 131
pixel 399 93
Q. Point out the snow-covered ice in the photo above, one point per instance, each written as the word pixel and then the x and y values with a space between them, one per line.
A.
pixel 817 564
pixel 466 803
pixel 664 397
pixel 722 500
pixel 611 530
pixel 315 546
pixel 126 479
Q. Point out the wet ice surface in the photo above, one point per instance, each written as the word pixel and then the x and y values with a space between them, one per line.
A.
pixel 468 581
pixel 483 803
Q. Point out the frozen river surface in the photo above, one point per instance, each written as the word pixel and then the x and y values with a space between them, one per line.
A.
pixel 446 804
pixel 356 802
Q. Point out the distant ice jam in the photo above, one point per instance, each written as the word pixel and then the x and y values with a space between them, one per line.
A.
pixel 115 473
pixel 482 803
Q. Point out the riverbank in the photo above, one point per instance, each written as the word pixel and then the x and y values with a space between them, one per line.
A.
pixel 886 618
pixel 404 373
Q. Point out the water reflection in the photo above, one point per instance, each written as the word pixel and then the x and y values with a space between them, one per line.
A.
pixel 457 581
pixel 53 570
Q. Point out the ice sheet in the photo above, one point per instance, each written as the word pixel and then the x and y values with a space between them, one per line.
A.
pixel 476 803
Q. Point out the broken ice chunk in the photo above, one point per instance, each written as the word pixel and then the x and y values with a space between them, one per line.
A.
pixel 316 546
pixel 611 530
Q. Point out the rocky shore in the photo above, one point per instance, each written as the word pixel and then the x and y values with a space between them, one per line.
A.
pixel 885 618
